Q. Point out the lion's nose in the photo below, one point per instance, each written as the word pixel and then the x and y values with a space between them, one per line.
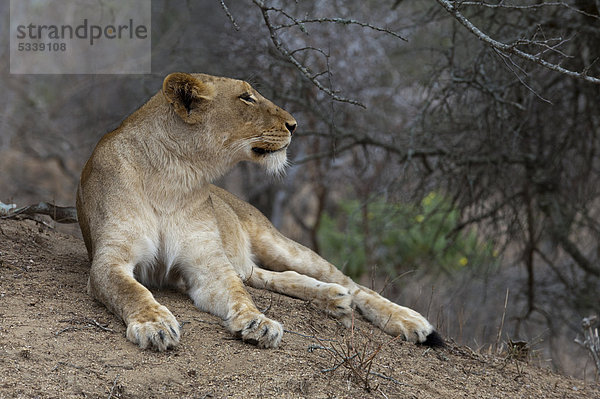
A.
pixel 291 127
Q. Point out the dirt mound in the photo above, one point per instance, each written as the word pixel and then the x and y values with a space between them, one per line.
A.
pixel 55 341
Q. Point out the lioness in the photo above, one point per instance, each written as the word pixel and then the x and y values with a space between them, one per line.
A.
pixel 151 217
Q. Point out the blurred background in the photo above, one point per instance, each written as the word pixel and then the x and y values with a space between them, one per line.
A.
pixel 455 178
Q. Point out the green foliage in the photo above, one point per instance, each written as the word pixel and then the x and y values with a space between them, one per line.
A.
pixel 397 237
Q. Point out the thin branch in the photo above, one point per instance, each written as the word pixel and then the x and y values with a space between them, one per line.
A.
pixel 526 7
pixel 226 9
pixel 511 49
pixel 505 58
pixel 342 21
pixel 286 53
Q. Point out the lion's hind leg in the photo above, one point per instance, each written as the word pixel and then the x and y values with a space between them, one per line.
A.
pixel 394 319
pixel 330 297
pixel 276 252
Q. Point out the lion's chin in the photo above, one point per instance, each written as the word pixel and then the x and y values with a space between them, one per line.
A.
pixel 275 162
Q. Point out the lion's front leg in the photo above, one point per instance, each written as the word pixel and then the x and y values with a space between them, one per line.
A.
pixel 215 287
pixel 149 324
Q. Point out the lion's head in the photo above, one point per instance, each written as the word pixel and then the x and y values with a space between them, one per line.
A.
pixel 230 116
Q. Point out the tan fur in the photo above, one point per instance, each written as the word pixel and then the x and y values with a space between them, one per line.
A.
pixel 151 217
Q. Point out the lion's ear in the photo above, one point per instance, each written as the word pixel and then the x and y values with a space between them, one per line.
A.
pixel 187 95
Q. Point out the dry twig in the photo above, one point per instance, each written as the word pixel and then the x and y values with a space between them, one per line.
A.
pixel 357 358
pixel 592 339
pixel 114 385
pixel 60 214
pixel 86 322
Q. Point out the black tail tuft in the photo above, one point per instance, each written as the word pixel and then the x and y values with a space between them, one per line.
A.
pixel 434 340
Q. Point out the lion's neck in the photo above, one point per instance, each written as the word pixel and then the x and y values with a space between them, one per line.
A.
pixel 185 171
pixel 178 164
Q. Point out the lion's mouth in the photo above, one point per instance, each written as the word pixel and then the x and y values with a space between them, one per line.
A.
pixel 265 151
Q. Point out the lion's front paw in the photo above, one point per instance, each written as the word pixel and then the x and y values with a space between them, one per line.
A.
pixel 259 330
pixel 154 328
pixel 336 301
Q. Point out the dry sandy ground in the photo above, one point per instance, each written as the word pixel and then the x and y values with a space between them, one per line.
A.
pixel 56 342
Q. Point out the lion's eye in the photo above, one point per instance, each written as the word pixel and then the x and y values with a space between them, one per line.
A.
pixel 248 97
